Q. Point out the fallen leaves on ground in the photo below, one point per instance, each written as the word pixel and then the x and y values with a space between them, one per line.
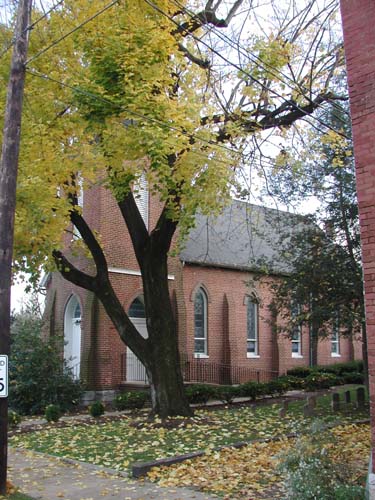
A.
pixel 250 472
pixel 120 443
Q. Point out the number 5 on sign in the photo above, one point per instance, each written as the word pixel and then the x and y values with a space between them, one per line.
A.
pixel 3 376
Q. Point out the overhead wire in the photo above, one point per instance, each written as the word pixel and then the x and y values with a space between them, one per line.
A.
pixel 75 29
pixel 29 27
pixel 236 66
pixel 254 58
pixel 192 135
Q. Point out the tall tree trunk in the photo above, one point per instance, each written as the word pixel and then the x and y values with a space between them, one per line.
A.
pixel 162 361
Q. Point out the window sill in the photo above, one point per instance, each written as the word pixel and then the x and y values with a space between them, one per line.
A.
pixel 250 355
pixel 295 355
pixel 201 356
pixel 335 355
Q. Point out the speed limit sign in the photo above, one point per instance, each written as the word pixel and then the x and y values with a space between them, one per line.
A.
pixel 3 376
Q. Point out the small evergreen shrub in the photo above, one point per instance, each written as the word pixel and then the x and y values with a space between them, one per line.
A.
pixel 293 382
pixel 352 378
pixel 251 390
pixel 341 368
pixel 200 393
pixel 320 380
pixel 52 413
pixel 276 387
pixel 227 393
pixel 97 409
pixel 300 371
pixel 14 419
pixel 130 400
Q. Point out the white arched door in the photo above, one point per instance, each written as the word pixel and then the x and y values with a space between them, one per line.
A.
pixel 72 336
pixel 135 371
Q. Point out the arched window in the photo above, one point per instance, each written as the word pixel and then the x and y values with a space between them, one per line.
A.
pixel 72 336
pixel 252 328
pixel 200 323
pixel 137 308
pixel 295 311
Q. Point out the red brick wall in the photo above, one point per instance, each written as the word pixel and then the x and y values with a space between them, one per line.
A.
pixel 359 35
pixel 102 348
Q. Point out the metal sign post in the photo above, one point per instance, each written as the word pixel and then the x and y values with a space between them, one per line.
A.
pixel 3 376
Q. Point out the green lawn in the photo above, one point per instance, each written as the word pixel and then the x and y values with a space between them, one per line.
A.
pixel 119 443
pixel 17 496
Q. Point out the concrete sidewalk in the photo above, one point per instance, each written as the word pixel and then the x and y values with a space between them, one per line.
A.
pixel 48 478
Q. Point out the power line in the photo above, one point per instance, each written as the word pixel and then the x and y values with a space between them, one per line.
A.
pixel 236 66
pixel 58 40
pixel 30 27
pixel 191 135
pixel 252 57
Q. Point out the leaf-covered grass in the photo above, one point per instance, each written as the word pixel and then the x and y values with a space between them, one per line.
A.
pixel 252 471
pixel 16 496
pixel 119 443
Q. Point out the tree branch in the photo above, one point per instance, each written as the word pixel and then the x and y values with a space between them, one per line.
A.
pixel 72 274
pixel 163 232
pixel 207 16
pixel 91 242
pixel 203 63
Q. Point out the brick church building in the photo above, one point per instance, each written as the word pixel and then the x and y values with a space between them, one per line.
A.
pixel 220 294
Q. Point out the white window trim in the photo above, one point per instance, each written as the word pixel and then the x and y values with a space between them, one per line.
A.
pixel 131 272
pixel 335 338
pixel 256 338
pixel 205 325
pixel 298 341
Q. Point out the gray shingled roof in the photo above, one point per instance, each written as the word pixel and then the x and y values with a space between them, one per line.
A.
pixel 243 236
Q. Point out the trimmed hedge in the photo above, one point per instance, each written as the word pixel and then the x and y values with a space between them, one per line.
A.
pixel 301 378
pixel 300 371
pixel 200 393
pixel 251 390
pixel 130 400
pixel 321 380
pixel 227 393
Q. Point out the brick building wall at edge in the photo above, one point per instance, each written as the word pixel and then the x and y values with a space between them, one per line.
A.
pixel 359 37
pixel 102 351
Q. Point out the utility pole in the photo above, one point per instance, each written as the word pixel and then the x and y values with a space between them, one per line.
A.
pixel 8 181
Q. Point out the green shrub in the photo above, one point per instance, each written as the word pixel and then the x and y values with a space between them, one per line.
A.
pixel 200 393
pixel 293 382
pixel 352 378
pixel 129 400
pixel 251 390
pixel 14 419
pixel 97 409
pixel 227 393
pixel 38 376
pixel 320 380
pixel 52 413
pixel 341 368
pixel 310 474
pixel 276 387
pixel 300 371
